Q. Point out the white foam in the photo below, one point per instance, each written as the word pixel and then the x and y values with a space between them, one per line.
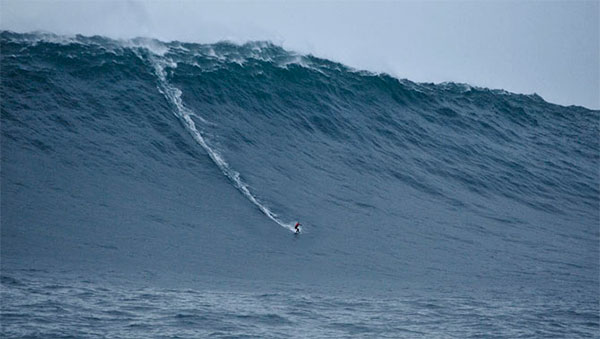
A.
pixel 173 94
pixel 154 46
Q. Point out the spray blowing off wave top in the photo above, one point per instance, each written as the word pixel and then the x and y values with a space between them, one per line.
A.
pixel 173 94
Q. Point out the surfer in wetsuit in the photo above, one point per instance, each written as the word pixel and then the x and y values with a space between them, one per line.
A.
pixel 297 227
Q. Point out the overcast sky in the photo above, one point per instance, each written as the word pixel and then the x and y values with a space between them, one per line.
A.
pixel 550 48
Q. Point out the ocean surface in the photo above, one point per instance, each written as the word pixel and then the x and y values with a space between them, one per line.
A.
pixel 149 189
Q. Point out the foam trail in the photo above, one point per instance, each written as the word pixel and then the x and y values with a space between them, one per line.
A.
pixel 173 94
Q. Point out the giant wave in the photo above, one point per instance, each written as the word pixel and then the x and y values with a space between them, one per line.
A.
pixel 127 158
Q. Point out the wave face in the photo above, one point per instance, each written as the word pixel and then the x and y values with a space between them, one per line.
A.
pixel 171 161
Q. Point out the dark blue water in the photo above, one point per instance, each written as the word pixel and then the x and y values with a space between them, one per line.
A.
pixel 149 188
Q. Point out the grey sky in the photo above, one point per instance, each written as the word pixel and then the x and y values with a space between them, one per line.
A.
pixel 551 48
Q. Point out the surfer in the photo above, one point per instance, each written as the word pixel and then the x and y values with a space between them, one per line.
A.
pixel 297 227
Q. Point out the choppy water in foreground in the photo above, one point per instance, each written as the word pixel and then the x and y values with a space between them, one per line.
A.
pixel 148 190
pixel 54 308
